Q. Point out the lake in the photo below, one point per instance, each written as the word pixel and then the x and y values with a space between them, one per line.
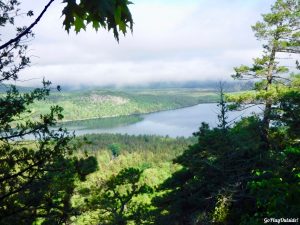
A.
pixel 174 123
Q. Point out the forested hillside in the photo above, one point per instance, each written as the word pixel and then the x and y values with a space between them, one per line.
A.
pixel 151 156
pixel 83 105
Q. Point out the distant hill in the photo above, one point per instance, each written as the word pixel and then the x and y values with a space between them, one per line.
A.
pixel 5 87
pixel 95 102
pixel 103 103
pixel 206 85
pixel 230 86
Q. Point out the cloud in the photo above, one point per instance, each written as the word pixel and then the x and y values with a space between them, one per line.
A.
pixel 172 41
pixel 131 72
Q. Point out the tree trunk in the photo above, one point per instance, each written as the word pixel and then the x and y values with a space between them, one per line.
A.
pixel 268 102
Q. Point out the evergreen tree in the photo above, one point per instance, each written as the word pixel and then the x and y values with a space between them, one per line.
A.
pixel 280 32
pixel 222 116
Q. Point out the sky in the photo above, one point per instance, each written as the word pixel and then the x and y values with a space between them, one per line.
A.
pixel 172 40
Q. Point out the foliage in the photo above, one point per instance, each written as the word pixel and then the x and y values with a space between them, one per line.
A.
pixel 112 14
pixel 115 149
pixel 27 168
pixel 222 115
pixel 231 178
pixel 150 155
pixel 288 109
pixel 37 179
pixel 213 176
pixel 140 143
pixel 109 122
pixel 115 198
pixel 280 33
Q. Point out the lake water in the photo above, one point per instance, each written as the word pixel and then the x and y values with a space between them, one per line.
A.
pixel 174 123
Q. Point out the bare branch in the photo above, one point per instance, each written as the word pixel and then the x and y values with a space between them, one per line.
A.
pixel 28 29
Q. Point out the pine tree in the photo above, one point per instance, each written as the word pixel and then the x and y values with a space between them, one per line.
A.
pixel 280 33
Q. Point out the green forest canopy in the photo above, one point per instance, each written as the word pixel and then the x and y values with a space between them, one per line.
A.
pixel 240 174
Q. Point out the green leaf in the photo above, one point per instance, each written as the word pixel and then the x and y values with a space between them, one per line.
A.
pixel 79 24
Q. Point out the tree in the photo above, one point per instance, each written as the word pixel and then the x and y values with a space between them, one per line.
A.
pixel 37 178
pixel 115 149
pixel 112 14
pixel 115 199
pixel 222 116
pixel 280 31
pixel 288 110
pixel 276 188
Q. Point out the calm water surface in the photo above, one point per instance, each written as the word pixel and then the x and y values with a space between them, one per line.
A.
pixel 174 123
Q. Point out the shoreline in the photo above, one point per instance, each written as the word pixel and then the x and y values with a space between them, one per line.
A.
pixel 134 114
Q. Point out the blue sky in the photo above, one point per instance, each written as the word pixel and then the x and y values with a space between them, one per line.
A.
pixel 172 41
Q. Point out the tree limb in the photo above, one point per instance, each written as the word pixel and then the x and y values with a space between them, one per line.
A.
pixel 27 30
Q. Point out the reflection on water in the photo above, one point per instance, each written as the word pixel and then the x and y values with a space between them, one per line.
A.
pixel 179 122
